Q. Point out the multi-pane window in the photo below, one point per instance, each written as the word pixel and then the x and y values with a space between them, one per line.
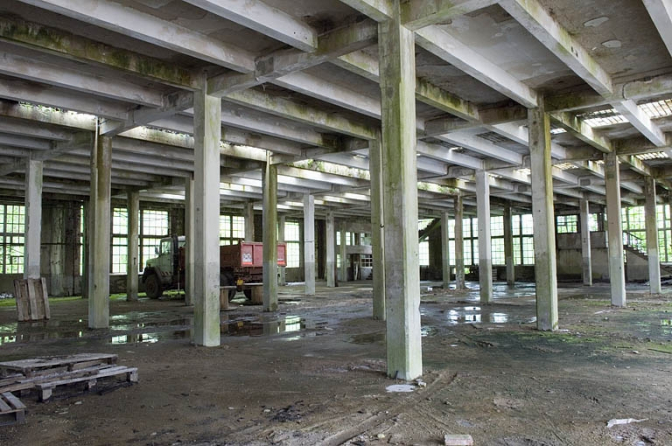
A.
pixel 231 229
pixel 293 240
pixel 119 240
pixel 498 251
pixel 366 261
pixel 12 225
pixel 153 227
pixel 566 224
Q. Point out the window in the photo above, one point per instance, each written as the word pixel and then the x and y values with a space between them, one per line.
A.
pixel 153 227
pixel 119 240
pixel 566 224
pixel 12 225
pixel 593 222
pixel 423 253
pixel 366 261
pixel 497 226
pixel 498 251
pixel 231 229
pixel 293 240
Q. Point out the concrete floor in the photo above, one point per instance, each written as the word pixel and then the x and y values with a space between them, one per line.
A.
pixel 314 372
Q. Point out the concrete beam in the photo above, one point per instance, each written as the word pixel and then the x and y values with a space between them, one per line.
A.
pixel 148 28
pixel 442 44
pixel 263 19
pixel 418 14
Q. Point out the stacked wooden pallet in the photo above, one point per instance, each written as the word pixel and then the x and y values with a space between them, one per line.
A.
pixel 12 410
pixel 45 374
pixel 32 301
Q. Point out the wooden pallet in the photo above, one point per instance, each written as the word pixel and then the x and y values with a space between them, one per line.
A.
pixel 54 364
pixel 45 389
pixel 12 410
pixel 32 301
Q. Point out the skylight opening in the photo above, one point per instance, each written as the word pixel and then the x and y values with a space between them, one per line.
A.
pixel 566 166
pixel 602 118
pixel 657 109
pixel 652 156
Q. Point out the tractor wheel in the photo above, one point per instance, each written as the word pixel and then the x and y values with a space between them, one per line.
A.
pixel 153 287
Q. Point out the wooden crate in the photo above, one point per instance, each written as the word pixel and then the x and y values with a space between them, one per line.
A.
pixel 12 410
pixel 32 303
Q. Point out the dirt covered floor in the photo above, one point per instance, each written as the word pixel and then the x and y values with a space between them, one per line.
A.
pixel 314 373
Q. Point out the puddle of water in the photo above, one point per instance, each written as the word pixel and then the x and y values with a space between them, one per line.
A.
pixel 400 388
pixel 372 338
pixel 477 315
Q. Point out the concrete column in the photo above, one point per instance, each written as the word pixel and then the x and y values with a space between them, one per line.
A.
pixel 396 49
pixel 270 235
pixel 484 236
pixel 86 239
pixel 309 243
pixel 509 258
pixel 190 235
pixel 344 256
pixel 377 232
pixel 132 267
pixel 101 198
pixel 207 135
pixel 652 235
pixel 615 230
pixel 586 254
pixel 445 250
pixel 544 221
pixel 281 239
pixel 460 283
pixel 33 231
pixel 249 222
pixel 331 251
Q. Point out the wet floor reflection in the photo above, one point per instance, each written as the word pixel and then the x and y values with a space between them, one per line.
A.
pixel 477 315
pixel 149 328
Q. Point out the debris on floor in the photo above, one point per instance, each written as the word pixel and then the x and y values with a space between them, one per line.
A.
pixel 617 421
pixel 458 440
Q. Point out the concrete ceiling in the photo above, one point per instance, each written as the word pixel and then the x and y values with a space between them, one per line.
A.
pixel 68 66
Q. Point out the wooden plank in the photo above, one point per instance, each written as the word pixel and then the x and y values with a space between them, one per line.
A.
pixel 14 401
pixel 45 297
pixel 21 294
pixel 19 301
pixel 55 361
pixel 4 407
pixel 32 301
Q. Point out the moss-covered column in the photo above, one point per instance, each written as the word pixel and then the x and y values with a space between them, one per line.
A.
pixel 189 254
pixel 652 235
pixel 544 221
pixel 509 259
pixel 396 49
pixel 377 233
pixel 445 249
pixel 33 228
pixel 484 236
pixel 460 283
pixel 249 222
pixel 132 267
pixel 86 247
pixel 281 239
pixel 615 230
pixel 207 135
pixel 586 254
pixel 309 243
pixel 270 235
pixel 99 280
pixel 330 269
pixel 343 254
